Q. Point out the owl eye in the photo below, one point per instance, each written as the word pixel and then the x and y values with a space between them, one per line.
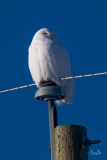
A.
pixel 44 33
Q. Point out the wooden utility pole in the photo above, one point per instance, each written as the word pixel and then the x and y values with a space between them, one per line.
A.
pixel 68 142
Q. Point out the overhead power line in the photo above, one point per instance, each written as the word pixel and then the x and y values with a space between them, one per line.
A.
pixel 66 78
pixel 86 75
pixel 16 88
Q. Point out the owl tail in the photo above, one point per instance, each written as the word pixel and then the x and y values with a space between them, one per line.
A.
pixel 69 91
pixel 68 99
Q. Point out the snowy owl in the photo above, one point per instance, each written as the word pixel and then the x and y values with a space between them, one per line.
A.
pixel 49 62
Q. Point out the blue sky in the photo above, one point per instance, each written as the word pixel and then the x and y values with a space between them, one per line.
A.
pixel 81 27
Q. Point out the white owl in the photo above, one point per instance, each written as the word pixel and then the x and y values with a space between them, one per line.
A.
pixel 49 62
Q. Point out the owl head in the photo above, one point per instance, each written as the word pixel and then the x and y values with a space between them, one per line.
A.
pixel 45 34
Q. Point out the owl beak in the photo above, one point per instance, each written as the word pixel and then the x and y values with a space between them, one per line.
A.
pixel 50 36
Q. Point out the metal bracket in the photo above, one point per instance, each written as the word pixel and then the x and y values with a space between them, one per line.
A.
pixel 86 143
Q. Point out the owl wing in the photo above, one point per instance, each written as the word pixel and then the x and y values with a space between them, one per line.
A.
pixel 59 62
pixel 59 65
